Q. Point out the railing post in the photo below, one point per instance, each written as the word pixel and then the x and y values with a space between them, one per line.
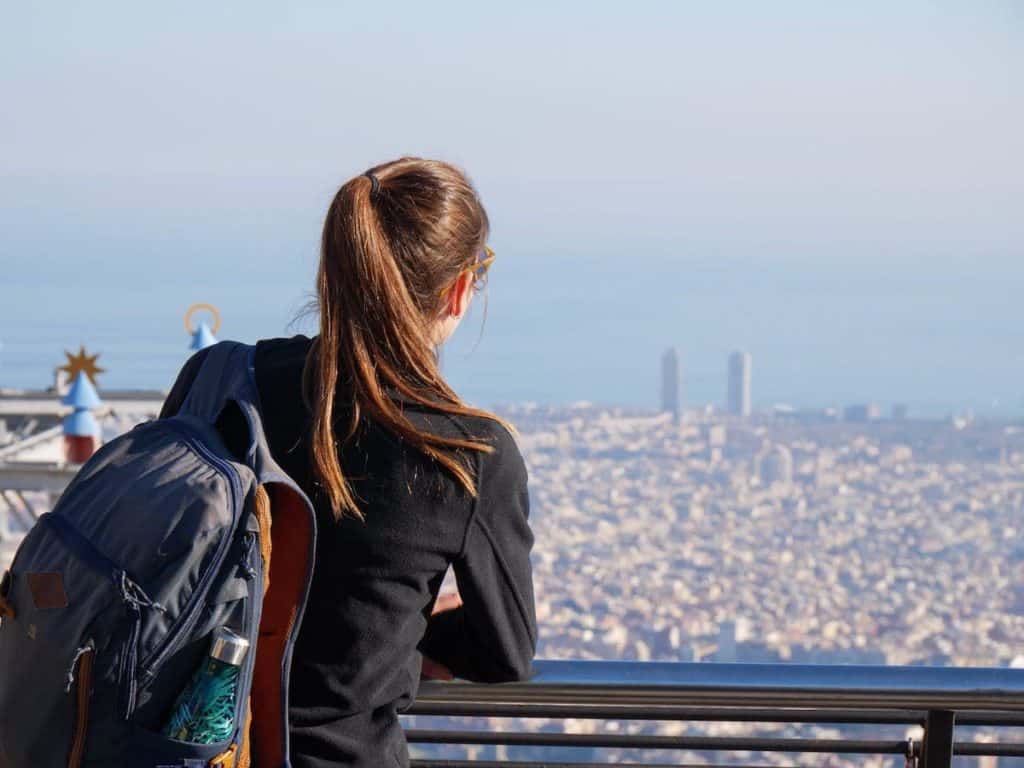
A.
pixel 937 745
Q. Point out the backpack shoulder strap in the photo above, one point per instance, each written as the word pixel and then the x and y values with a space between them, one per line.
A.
pixel 223 377
pixel 227 375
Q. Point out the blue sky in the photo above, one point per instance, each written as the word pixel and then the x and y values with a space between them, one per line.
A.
pixel 148 150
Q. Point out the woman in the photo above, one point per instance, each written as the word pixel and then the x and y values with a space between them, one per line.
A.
pixel 405 477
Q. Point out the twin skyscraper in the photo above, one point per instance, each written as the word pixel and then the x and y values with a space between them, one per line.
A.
pixel 737 390
pixel 740 364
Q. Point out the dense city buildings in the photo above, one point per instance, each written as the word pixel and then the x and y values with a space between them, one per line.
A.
pixel 883 542
pixel 774 466
pixel 739 384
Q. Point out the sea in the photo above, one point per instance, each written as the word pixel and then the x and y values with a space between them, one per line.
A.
pixel 561 320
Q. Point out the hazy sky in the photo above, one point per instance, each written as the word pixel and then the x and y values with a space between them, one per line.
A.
pixel 193 142
pixel 721 122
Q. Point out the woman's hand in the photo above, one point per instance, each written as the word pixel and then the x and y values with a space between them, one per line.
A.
pixel 448 601
pixel 432 670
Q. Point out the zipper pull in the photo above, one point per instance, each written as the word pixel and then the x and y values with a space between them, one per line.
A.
pixel 79 652
pixel 135 596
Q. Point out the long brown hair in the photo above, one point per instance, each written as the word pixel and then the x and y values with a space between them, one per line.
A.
pixel 393 239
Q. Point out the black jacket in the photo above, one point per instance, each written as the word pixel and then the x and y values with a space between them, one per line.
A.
pixel 357 657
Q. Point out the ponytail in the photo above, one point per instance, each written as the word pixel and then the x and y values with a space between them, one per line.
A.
pixel 392 240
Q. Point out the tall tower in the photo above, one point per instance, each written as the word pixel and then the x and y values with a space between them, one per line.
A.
pixel 671 384
pixel 739 383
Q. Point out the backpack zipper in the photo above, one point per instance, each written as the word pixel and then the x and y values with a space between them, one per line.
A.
pixel 83 661
pixel 186 621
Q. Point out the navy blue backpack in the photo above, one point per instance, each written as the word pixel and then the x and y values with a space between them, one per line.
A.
pixel 163 537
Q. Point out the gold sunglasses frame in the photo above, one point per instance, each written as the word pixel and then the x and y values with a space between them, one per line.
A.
pixel 480 269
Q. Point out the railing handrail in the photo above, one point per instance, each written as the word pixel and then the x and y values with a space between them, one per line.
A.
pixel 679 685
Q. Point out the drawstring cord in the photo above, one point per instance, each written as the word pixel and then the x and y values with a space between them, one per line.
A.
pixel 135 597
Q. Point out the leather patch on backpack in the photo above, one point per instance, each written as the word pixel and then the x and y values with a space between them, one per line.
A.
pixel 47 590
pixel 6 609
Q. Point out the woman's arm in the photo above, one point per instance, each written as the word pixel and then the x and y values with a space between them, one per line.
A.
pixel 492 636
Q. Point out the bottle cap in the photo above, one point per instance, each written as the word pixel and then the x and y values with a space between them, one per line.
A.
pixel 228 646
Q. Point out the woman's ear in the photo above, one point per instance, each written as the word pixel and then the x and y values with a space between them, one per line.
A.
pixel 460 295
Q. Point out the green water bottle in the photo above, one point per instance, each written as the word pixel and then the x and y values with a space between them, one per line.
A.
pixel 204 712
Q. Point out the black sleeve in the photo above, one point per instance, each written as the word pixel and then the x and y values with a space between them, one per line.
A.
pixel 182 384
pixel 493 636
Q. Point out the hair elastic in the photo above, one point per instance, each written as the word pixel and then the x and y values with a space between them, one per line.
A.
pixel 374 181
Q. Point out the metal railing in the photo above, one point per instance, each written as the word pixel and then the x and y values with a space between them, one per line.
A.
pixel 936 699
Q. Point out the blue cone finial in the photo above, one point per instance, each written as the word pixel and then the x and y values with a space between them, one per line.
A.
pixel 81 424
pixel 203 337
pixel 82 398
pixel 82 395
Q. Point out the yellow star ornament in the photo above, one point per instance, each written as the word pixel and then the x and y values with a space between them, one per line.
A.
pixel 81 363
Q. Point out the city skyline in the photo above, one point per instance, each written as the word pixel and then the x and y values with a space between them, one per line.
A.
pixel 738 399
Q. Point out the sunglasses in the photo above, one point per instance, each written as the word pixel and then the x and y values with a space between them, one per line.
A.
pixel 483 263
